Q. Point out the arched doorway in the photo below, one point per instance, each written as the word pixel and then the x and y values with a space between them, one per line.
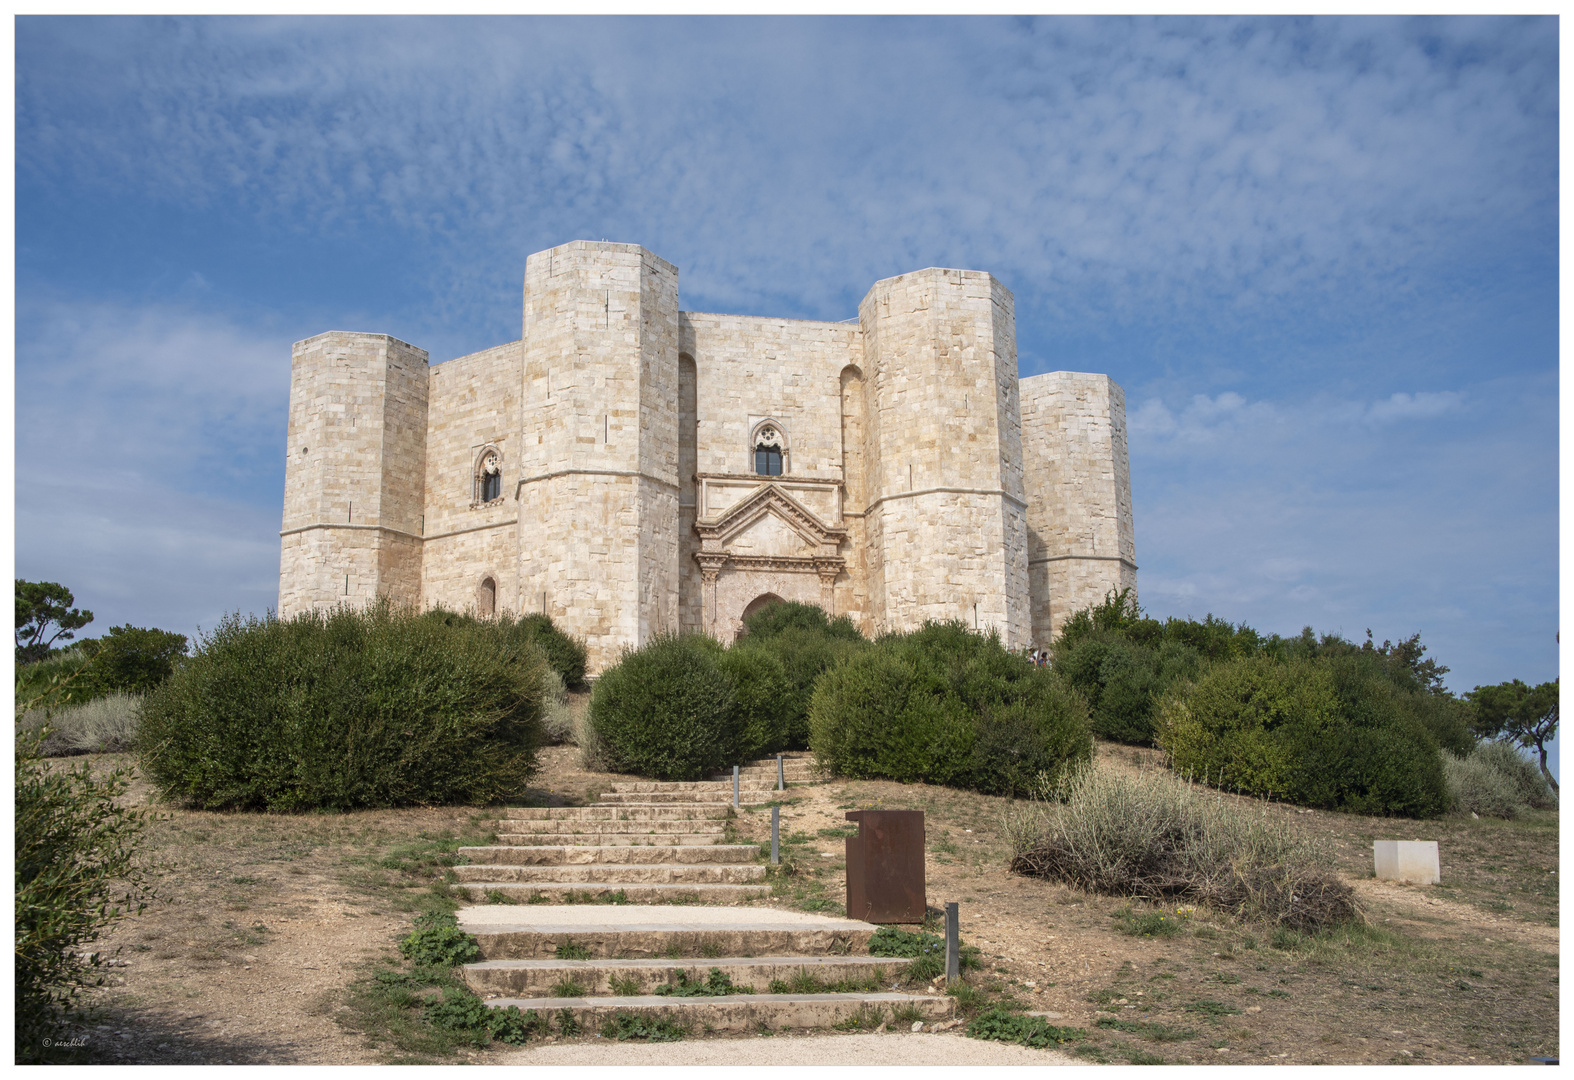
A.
pixel 759 603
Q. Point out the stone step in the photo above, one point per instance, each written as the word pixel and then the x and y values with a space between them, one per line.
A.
pixel 715 787
pixel 589 892
pixel 788 759
pixel 677 798
pixel 612 825
pixel 631 810
pixel 615 873
pixel 613 839
pixel 539 978
pixel 570 855
pixel 524 932
pixel 741 1012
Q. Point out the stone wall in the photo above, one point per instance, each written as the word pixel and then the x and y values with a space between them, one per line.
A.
pixel 1081 541
pixel 474 405
pixel 354 484
pixel 945 520
pixel 922 479
pixel 599 443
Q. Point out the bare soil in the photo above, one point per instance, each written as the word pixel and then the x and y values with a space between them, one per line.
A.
pixel 263 922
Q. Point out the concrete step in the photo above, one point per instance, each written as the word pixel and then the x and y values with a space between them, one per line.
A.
pixel 535 931
pixel 614 839
pixel 589 892
pixel 741 1012
pixel 789 759
pixel 569 855
pixel 538 978
pixel 715 798
pixel 616 873
pixel 632 810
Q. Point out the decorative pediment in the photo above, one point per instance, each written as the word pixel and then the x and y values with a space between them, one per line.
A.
pixel 744 518
pixel 769 529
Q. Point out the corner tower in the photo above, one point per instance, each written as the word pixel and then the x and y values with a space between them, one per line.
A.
pixel 946 523
pixel 354 475
pixel 1082 544
pixel 598 480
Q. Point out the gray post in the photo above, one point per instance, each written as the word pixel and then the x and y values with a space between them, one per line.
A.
pixel 735 785
pixel 781 775
pixel 953 956
pixel 776 826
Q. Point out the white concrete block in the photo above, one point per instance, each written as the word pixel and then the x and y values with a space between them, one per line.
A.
pixel 1407 860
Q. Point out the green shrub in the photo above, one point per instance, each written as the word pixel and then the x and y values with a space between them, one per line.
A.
pixel 59 679
pixel 105 725
pixel 1154 837
pixel 945 705
pixel 75 874
pixel 805 653
pixel 133 660
pixel 1122 680
pixel 346 709
pixel 881 715
pixel 666 710
pixel 774 619
pixel 759 688
pixel 564 655
pixel 1334 734
pixel 438 942
pixel 1494 780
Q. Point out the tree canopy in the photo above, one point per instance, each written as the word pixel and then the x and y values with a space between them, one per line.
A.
pixel 44 615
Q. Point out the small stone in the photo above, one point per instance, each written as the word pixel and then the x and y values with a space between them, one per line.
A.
pixel 918 1025
pixel 1222 1050
pixel 881 1030
pixel 1254 1008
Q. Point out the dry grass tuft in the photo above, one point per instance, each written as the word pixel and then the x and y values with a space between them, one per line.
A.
pixel 1152 836
pixel 105 725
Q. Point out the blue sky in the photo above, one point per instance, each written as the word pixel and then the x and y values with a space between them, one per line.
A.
pixel 1320 256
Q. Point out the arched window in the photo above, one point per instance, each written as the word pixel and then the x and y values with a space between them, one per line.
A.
pixel 486 598
pixel 769 447
pixel 488 475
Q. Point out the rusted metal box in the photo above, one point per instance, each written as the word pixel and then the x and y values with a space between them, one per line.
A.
pixel 885 866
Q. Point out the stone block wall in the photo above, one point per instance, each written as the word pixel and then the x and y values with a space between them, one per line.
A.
pixel 354 484
pixel 1081 540
pixel 474 405
pixel 599 443
pixel 922 479
pixel 945 523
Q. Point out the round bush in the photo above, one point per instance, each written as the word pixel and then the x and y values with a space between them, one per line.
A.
pixel 565 655
pixel 759 693
pixel 1331 734
pixel 879 715
pixel 1019 746
pixel 666 710
pixel 805 655
pixel 946 705
pixel 1123 681
pixel 343 710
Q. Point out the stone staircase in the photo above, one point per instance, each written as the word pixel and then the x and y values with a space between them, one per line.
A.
pixel 648 842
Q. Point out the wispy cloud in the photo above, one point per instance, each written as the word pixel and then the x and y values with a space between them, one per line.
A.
pixel 1111 161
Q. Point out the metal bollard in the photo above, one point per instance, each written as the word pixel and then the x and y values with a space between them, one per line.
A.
pixel 953 937
pixel 735 785
pixel 781 775
pixel 776 827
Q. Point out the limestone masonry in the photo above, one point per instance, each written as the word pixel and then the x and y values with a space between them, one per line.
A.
pixel 631 469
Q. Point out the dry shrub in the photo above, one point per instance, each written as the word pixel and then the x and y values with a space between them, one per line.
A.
pixel 1152 836
pixel 1494 780
pixel 557 715
pixel 105 725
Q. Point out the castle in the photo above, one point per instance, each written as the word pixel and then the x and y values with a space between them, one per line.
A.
pixel 631 469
